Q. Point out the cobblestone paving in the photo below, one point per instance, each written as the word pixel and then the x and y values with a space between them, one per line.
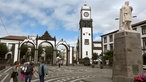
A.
pixel 68 74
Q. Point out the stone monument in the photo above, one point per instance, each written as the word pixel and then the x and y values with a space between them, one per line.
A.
pixel 125 17
pixel 127 60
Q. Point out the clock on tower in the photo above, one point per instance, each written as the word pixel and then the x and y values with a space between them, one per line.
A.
pixel 85 12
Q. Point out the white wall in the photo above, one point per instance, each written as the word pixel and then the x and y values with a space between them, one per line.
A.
pixel 87 48
pixel 97 51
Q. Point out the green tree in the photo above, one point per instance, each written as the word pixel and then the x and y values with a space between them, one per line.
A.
pixel 94 56
pixel 86 61
pixel 23 50
pixel 108 56
pixel 49 53
pixel 32 51
pixel 3 51
pixel 40 50
pixel 13 48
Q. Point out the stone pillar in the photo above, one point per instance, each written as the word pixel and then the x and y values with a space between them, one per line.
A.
pixel 127 60
pixel 54 56
pixel 36 56
pixel 68 58
pixel 16 53
pixel 72 55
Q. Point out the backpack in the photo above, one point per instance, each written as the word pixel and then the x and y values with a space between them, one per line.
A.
pixel 29 70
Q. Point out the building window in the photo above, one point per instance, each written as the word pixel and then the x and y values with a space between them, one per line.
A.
pixel 143 29
pixel 144 43
pixel 105 48
pixel 105 39
pixel 110 38
pixel 86 53
pixel 86 42
pixel 111 47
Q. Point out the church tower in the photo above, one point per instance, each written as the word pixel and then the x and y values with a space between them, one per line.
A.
pixel 86 33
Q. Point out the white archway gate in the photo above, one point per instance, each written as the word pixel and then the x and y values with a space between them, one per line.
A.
pixel 36 42
pixel 67 46
pixel 27 57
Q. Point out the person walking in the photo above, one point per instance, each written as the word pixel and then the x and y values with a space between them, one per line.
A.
pixel 42 71
pixel 58 61
pixel 15 69
pixel 23 72
pixel 29 72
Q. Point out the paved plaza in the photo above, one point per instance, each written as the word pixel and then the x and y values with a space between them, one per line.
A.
pixel 68 74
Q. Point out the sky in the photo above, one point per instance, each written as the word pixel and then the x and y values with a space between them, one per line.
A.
pixel 61 17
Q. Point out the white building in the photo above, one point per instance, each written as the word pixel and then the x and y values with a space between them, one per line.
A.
pixel 34 43
pixel 108 39
pixel 11 41
pixel 97 48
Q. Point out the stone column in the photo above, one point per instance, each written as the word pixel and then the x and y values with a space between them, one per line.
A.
pixel 16 53
pixel 127 60
pixel 72 55
pixel 36 56
pixel 54 56
pixel 68 57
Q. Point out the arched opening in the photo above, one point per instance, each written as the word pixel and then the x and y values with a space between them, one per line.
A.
pixel 62 53
pixel 27 51
pixel 63 47
pixel 45 52
pixel 8 58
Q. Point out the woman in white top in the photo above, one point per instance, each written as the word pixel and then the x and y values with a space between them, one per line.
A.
pixel 15 70
pixel 22 72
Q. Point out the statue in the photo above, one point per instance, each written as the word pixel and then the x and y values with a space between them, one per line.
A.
pixel 125 17
pixel 43 55
pixel 28 55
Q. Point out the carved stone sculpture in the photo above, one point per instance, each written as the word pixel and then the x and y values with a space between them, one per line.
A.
pixel 43 55
pixel 28 54
pixel 125 17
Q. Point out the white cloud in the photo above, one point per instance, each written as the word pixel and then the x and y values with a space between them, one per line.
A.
pixel 66 11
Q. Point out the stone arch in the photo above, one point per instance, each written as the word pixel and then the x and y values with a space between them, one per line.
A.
pixel 67 46
pixel 46 42
pixel 48 38
pixel 8 57
pixel 46 58
pixel 29 55
pixel 26 41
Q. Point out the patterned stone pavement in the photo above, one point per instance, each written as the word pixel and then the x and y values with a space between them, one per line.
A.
pixel 67 74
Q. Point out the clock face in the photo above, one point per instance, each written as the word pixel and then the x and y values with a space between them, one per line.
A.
pixel 86 14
